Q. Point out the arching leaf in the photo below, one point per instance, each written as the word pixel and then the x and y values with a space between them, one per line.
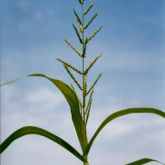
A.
pixel 117 115
pixel 144 161
pixel 73 102
pixel 9 82
pixel 35 130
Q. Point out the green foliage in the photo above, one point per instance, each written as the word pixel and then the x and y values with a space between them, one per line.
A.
pixel 88 108
pixel 28 130
pixel 9 82
pixel 144 161
pixel 119 114
pixel 80 107
pixel 71 98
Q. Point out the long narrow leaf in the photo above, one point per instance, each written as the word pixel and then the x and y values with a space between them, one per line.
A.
pixel 81 105
pixel 89 106
pixel 144 161
pixel 73 102
pixel 35 130
pixel 9 82
pixel 119 114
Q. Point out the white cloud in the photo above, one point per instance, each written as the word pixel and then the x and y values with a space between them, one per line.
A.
pixel 44 98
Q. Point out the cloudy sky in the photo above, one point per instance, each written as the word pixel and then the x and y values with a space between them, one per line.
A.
pixel 133 66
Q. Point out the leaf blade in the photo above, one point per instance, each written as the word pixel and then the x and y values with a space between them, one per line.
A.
pixel 9 82
pixel 73 102
pixel 88 108
pixel 39 131
pixel 119 114
pixel 144 161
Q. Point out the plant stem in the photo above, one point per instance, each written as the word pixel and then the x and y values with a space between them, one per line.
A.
pixel 86 163
pixel 83 75
pixel 83 65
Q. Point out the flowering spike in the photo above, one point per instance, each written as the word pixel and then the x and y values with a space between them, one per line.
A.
pixel 91 20
pixel 91 64
pixel 93 35
pixel 69 66
pixel 77 17
pixel 77 33
pixel 88 9
pixel 74 49
pixel 72 76
pixel 94 83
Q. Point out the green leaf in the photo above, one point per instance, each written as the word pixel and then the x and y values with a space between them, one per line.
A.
pixel 88 9
pixel 144 161
pixel 88 108
pixel 80 102
pixel 119 114
pixel 9 82
pixel 73 102
pixel 35 130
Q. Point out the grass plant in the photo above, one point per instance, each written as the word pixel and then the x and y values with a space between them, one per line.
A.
pixel 80 106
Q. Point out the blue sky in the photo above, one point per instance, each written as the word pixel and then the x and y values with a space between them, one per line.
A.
pixel 132 63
